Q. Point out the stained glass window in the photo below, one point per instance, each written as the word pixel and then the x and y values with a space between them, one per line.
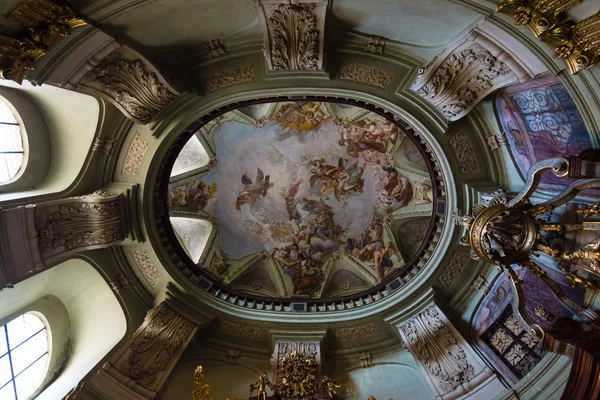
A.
pixel 517 348
pixel 11 145
pixel 23 357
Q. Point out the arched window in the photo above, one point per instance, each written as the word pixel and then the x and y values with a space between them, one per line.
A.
pixel 23 356
pixel 11 144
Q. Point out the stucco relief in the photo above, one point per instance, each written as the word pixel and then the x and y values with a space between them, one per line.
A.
pixel 144 262
pixel 455 81
pixel 223 79
pixel 454 268
pixel 135 155
pixel 157 346
pixel 293 34
pixel 134 88
pixel 357 332
pixel 245 331
pixel 435 346
pixel 365 74
pixel 464 152
pixel 78 223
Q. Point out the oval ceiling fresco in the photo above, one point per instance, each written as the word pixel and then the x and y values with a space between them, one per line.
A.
pixel 306 199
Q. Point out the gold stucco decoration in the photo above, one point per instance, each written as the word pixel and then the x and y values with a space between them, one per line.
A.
pixel 577 43
pixel 46 22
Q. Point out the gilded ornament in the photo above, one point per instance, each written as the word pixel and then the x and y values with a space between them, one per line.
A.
pixel 577 43
pixel 202 390
pixel 375 44
pixel 260 386
pixel 47 21
pixel 17 56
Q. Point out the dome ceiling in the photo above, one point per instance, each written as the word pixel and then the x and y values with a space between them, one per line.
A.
pixel 302 199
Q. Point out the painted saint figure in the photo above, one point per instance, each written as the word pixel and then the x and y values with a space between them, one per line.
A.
pixel 345 178
pixel 252 191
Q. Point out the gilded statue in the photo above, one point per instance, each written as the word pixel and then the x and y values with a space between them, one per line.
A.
pixel 329 384
pixel 261 387
pixel 202 390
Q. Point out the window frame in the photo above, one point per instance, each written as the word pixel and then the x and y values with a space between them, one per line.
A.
pixel 9 351
pixel 56 319
pixel 35 138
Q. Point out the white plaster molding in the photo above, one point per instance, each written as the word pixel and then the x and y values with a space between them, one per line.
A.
pixel 458 78
pixel 528 62
pixel 293 33
pixel 449 364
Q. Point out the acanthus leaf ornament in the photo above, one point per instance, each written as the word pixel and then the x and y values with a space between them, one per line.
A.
pixel 137 91
pixel 154 349
pixel 293 34
pixel 458 78
pixel 435 346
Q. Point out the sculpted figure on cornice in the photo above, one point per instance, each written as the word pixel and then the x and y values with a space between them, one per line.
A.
pixel 461 76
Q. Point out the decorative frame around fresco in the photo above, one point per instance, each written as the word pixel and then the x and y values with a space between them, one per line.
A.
pixel 183 262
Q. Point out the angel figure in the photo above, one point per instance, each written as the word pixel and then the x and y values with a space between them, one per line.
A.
pixel 340 180
pixel 253 190
pixel 261 387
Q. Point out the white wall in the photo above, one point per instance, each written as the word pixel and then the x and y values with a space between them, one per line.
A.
pixel 97 320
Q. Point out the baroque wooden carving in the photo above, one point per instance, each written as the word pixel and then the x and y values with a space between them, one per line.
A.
pixel 154 349
pixel 288 354
pixel 78 223
pixel 219 80
pixel 437 349
pixel 576 43
pixel 364 74
pixel 457 79
pixel 463 150
pixel 293 34
pixel 133 88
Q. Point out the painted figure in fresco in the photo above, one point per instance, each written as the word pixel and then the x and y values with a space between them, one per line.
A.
pixel 345 178
pixel 396 190
pixel 303 267
pixel 289 196
pixel 371 248
pixel 367 135
pixel 195 195
pixel 252 191
pixel 301 116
